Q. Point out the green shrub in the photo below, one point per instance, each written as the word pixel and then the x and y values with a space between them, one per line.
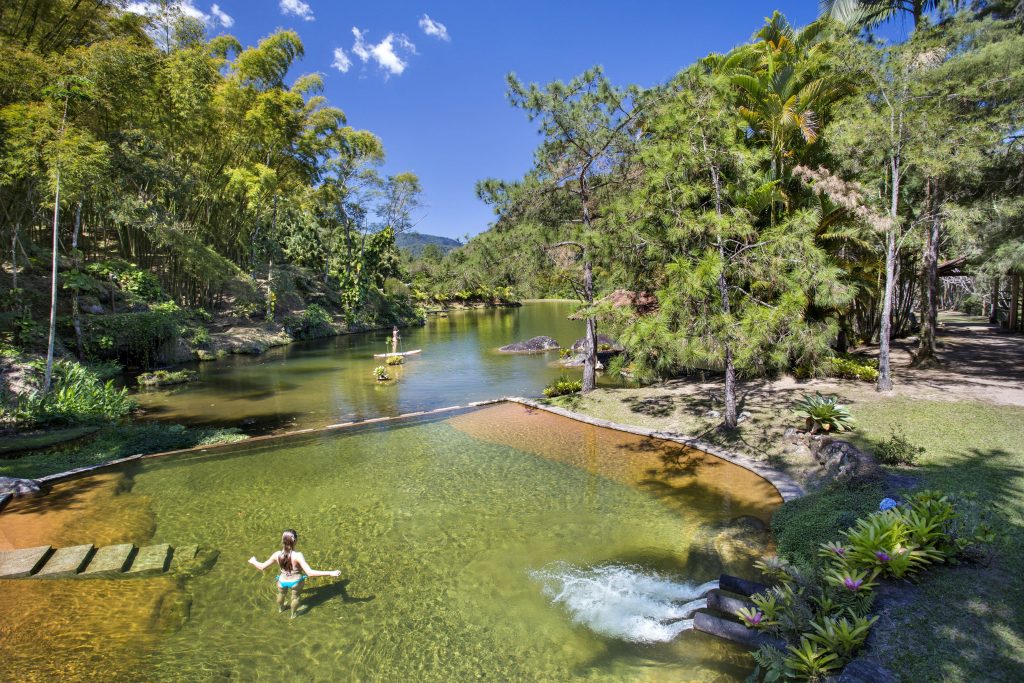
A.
pixel 563 386
pixel 381 373
pixel 395 360
pixel 849 366
pixel 314 322
pixel 823 413
pixel 162 378
pixel 897 450
pixel 134 339
pixel 77 396
pixel 132 280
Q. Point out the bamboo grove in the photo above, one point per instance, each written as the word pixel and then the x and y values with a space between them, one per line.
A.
pixel 203 162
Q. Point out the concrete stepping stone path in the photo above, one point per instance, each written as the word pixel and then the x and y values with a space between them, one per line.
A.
pixel 87 561
pixel 66 561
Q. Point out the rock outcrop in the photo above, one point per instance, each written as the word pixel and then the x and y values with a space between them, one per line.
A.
pixel 842 461
pixel 603 340
pixel 18 487
pixel 535 345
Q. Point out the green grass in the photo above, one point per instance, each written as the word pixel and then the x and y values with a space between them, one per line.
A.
pixel 112 443
pixel 968 624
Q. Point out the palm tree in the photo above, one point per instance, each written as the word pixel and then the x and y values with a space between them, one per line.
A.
pixel 871 13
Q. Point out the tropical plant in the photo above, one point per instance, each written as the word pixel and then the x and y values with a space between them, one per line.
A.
pixel 77 396
pixel 395 360
pixel 381 373
pixel 562 386
pixel 823 413
pixel 810 661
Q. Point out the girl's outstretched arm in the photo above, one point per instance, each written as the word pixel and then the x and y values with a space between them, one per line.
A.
pixel 263 565
pixel 314 572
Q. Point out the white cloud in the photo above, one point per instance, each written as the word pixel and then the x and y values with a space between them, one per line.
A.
pixel 223 17
pixel 184 7
pixel 383 53
pixel 341 60
pixel 434 28
pixel 298 8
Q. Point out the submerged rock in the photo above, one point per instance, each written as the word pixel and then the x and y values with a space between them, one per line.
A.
pixel 534 345
pixel 578 360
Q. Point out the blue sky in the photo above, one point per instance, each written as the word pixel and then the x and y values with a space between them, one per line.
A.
pixel 445 116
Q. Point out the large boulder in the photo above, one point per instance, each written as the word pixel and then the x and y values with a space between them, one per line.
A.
pixel 577 361
pixel 603 340
pixel 842 461
pixel 535 345
pixel 18 487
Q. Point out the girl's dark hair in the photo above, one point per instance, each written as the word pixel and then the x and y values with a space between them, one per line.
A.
pixel 288 538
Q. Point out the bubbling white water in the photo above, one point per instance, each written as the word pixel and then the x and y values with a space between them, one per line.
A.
pixel 624 602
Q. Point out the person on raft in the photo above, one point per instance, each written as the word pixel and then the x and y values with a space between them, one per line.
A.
pixel 294 570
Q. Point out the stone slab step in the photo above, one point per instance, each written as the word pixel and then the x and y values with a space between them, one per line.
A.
pixel 110 559
pixel 66 561
pixel 152 559
pixel 15 564
pixel 183 555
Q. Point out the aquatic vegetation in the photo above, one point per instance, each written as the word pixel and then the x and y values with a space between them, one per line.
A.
pixel 563 386
pixel 381 373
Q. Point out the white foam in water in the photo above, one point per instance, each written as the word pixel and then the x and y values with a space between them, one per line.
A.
pixel 624 602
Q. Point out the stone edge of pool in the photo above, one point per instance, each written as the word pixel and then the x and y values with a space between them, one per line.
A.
pixel 787 487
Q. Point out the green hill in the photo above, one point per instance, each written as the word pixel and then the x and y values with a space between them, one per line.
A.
pixel 414 242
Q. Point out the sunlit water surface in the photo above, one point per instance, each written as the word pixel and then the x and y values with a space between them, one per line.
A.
pixel 498 544
pixel 327 381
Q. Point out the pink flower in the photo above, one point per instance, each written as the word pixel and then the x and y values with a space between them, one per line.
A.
pixel 852 584
pixel 882 556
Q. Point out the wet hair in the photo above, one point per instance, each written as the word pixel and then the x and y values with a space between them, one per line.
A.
pixel 288 539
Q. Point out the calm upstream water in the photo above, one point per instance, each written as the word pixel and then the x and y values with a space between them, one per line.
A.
pixel 496 544
pixel 316 383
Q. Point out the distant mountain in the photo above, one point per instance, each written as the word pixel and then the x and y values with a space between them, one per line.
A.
pixel 414 242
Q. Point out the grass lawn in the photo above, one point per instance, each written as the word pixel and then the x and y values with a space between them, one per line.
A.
pixel 111 443
pixel 968 621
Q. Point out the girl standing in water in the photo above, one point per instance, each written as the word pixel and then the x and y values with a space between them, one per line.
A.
pixel 294 570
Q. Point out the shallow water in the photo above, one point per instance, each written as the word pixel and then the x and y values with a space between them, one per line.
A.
pixel 456 537
pixel 327 381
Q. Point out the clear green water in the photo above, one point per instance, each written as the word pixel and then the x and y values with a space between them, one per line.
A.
pixel 328 381
pixel 436 526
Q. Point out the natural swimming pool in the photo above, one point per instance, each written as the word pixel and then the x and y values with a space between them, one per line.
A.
pixel 499 543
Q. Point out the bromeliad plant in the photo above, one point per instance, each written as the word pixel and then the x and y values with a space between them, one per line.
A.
pixel 823 414
pixel 381 373
pixel 824 615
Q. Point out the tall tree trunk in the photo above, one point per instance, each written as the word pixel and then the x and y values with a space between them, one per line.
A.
pixel 590 345
pixel 76 316
pixel 48 375
pixel 730 419
pixel 885 332
pixel 884 371
pixel 14 255
pixel 926 355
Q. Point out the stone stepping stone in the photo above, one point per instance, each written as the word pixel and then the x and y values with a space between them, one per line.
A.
pixel 151 559
pixel 183 555
pixel 110 559
pixel 66 561
pixel 15 564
